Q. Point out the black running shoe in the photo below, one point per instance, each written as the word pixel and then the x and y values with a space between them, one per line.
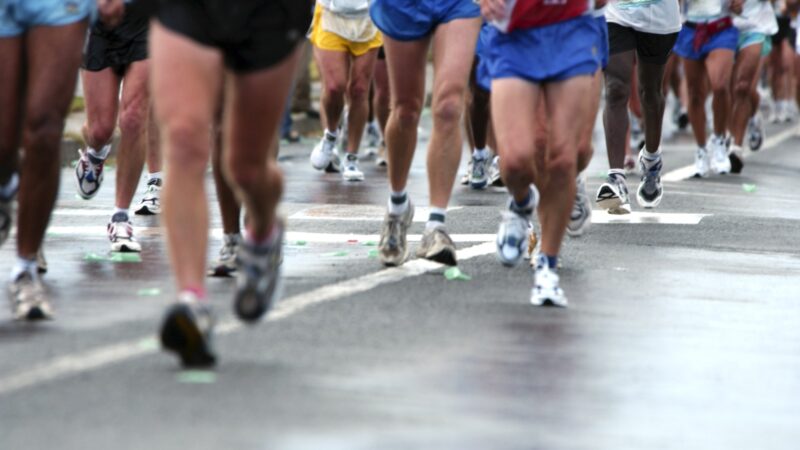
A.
pixel 187 331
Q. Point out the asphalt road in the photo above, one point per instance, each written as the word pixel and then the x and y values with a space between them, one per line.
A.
pixel 682 332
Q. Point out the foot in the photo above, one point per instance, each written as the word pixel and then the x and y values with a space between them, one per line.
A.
pixel 613 195
pixel 478 176
pixel 187 331
pixel 6 215
pixel 351 171
pixel 581 216
pixel 720 164
pixel 467 175
pixel 29 298
pixel 513 237
pixel 373 135
pixel 381 160
pixel 494 173
pixel 89 174
pixel 41 262
pixel 325 156
pixel 150 204
pixel 258 284
pixel 546 291
pixel 120 233
pixel 393 246
pixel 225 265
pixel 437 246
pixel 701 163
pixel 650 189
pixel 755 132
pixel 736 157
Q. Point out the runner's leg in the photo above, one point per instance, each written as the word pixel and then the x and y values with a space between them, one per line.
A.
pixel 133 127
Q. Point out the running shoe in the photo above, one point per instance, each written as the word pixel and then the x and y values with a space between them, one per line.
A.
pixel 351 171
pixel 478 176
pixel 720 163
pixel 533 242
pixel 373 137
pixel 629 165
pixel 546 291
pixel 89 174
pixel 613 195
pixel 393 246
pixel 737 159
pixel 494 173
pixel 468 174
pixel 437 246
pixel 701 163
pixel 755 132
pixel 325 156
pixel 120 233
pixel 29 298
pixel 381 160
pixel 650 189
pixel 581 216
pixel 6 216
pixel 187 331
pixel 226 265
pixel 150 204
pixel 512 238
pixel 637 134
pixel 41 262
pixel 258 277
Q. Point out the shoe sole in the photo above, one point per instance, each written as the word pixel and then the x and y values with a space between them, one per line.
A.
pixel 354 179
pixel 180 335
pixel 736 164
pixel 126 248
pixel 549 303
pixel 614 206
pixel 647 204
pixel 146 211
pixel 249 308
pixel 478 186
pixel 221 272
pixel 444 256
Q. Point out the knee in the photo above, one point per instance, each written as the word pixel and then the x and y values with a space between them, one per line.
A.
pixel 335 88
pixel 43 127
pixel 651 98
pixel 99 132
pixel 132 121
pixel 617 91
pixel 447 110
pixel 562 166
pixel 358 91
pixel 741 89
pixel 407 113
pixel 188 144
pixel 517 161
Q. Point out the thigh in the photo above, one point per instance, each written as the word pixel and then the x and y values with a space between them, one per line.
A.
pixel 101 94
pixel 695 73
pixel 186 79
pixel 719 65
pixel 363 68
pixel 405 62
pixel 254 109
pixel 453 51
pixel 747 64
pixel 334 66
pixel 135 89
pixel 514 105
pixel 10 92
pixel 567 110
pixel 53 57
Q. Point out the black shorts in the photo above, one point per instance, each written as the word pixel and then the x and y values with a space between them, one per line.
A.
pixel 785 31
pixel 119 47
pixel 650 47
pixel 252 34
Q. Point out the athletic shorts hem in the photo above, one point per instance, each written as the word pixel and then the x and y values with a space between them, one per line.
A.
pixel 650 48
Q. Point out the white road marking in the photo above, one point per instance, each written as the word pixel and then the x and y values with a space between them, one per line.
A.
pixel 101 357
pixel 637 217
pixel 686 172
pixel 356 213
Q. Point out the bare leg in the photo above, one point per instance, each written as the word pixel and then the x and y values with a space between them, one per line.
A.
pixel 11 94
pixel 358 84
pixel 133 127
pixel 696 82
pixel 615 116
pixel 651 77
pixel 381 98
pixel 745 74
pixel 719 64
pixel 335 69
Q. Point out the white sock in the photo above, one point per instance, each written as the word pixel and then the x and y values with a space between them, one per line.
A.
pixel 397 208
pixel 436 218
pixel 121 210
pixel 24 265
pixel 480 153
pixel 102 153
pixel 331 135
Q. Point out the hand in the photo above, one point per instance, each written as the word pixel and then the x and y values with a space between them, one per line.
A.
pixel 600 3
pixel 493 9
pixel 111 12
pixel 736 6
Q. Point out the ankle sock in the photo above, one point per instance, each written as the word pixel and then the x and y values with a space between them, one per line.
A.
pixel 436 218
pixel 101 154
pixel 331 135
pixel 24 265
pixel 398 203
pixel 524 207
pixel 154 176
pixel 480 153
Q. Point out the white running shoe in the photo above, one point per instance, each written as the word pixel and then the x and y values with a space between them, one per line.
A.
pixel 150 204
pixel 494 173
pixel 468 174
pixel 513 233
pixel 755 132
pixel 720 163
pixel 325 156
pixel 479 177
pixel 613 195
pixel 546 291
pixel 373 137
pixel 29 298
pixel 225 265
pixel 381 160
pixel 89 173
pixel 120 233
pixel 581 216
pixel 351 171
pixel 701 163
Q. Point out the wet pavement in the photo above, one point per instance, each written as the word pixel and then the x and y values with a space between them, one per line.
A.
pixel 682 330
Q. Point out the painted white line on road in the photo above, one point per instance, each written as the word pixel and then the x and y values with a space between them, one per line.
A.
pixel 686 172
pixel 101 357
pixel 356 213
pixel 637 217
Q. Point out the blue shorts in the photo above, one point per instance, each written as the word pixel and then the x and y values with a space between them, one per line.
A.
pixel 546 54
pixel 726 39
pixel 409 20
pixel 482 77
pixel 602 44
pixel 17 16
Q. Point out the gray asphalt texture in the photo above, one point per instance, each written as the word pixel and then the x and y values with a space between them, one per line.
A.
pixel 677 336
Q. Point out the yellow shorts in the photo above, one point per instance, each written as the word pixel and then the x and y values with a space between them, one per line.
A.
pixel 325 40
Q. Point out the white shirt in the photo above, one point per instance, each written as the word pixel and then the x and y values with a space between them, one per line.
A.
pixel 757 16
pixel 647 16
